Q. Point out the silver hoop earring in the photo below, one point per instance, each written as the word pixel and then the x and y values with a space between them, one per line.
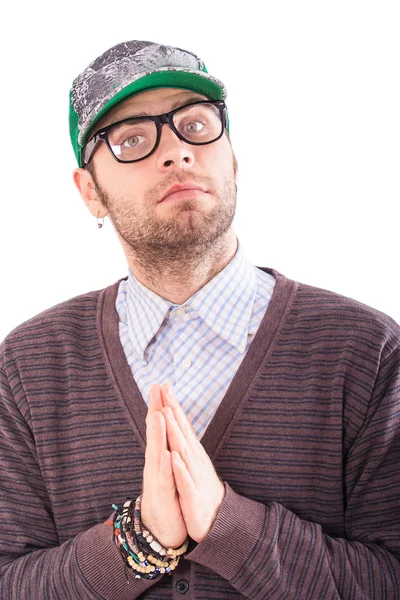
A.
pixel 100 223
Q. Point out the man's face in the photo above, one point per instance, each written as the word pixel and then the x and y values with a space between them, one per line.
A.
pixel 133 192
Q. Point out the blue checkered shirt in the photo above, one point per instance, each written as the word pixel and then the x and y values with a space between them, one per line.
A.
pixel 197 346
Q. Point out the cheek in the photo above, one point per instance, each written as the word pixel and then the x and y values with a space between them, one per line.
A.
pixel 122 181
pixel 217 159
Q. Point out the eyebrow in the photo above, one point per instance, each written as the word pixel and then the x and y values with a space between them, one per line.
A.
pixel 144 113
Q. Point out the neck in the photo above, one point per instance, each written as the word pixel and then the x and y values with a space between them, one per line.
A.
pixel 177 278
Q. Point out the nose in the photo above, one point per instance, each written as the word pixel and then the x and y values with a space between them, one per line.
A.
pixel 173 152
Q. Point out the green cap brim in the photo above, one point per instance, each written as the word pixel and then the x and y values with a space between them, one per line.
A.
pixel 160 79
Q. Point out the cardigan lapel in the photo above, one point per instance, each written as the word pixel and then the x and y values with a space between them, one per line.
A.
pixel 240 387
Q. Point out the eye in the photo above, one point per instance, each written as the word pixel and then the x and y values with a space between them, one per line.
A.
pixel 193 127
pixel 133 141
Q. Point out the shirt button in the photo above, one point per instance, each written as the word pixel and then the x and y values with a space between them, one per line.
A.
pixel 186 363
pixel 182 586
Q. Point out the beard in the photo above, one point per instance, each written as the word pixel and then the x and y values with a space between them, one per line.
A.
pixel 188 231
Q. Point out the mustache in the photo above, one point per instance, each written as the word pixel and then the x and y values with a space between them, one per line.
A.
pixel 159 190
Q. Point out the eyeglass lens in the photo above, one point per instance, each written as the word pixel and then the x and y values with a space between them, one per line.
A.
pixel 133 139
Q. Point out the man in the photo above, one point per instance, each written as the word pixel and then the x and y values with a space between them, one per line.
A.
pixel 258 417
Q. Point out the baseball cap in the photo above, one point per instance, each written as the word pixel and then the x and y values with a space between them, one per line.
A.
pixel 127 69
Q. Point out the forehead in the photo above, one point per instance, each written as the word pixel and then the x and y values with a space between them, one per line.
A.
pixel 151 102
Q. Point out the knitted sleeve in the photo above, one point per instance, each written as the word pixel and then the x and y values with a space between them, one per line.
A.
pixel 266 551
pixel 32 562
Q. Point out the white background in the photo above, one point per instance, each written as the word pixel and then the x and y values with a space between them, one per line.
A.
pixel 314 105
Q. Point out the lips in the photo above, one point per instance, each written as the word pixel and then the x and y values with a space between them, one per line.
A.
pixel 182 187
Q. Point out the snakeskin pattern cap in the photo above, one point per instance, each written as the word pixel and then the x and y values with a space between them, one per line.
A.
pixel 127 69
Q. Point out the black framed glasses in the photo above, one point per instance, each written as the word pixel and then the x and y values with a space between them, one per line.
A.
pixel 135 138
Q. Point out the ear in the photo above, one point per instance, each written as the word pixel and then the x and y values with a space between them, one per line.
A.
pixel 87 189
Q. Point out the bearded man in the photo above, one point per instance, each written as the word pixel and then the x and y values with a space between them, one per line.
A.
pixel 202 427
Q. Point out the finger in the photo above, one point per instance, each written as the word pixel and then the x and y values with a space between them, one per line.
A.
pixel 166 474
pixel 156 438
pixel 170 399
pixel 184 483
pixel 175 436
pixel 155 399
pixel 156 435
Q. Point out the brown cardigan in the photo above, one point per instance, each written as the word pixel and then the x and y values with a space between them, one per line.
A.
pixel 307 440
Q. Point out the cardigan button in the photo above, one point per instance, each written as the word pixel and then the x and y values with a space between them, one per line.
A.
pixel 182 586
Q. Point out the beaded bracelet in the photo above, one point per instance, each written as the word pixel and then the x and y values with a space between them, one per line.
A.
pixel 146 538
pixel 135 561
pixel 138 548
pixel 134 558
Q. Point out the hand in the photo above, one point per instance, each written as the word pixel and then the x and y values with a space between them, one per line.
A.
pixel 160 511
pixel 200 490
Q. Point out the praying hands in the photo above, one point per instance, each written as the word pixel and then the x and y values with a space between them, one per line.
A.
pixel 181 490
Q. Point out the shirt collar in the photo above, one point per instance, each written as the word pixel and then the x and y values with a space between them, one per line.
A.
pixel 225 304
pixel 145 314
